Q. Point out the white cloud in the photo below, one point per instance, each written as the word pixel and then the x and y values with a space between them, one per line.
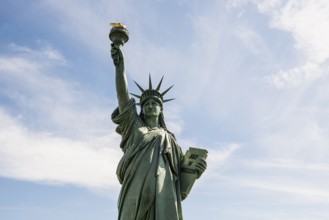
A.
pixel 51 131
pixel 41 157
pixel 45 99
pixel 307 21
pixel 297 76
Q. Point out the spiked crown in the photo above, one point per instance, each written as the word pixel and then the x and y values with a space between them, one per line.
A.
pixel 151 93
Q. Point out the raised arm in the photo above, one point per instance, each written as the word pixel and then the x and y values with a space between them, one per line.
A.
pixel 120 76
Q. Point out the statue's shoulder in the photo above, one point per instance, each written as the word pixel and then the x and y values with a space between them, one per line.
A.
pixel 170 134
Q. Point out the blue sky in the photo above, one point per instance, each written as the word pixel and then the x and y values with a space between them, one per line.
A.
pixel 251 86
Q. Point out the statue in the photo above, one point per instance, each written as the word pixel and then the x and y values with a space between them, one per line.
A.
pixel 151 167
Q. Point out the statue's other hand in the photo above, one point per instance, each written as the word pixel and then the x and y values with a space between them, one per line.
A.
pixel 200 165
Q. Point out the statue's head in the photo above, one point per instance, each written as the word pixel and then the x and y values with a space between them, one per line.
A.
pixel 151 100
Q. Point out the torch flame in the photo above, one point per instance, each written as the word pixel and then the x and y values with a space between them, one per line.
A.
pixel 118 25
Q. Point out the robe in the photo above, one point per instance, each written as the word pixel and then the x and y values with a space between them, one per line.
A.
pixel 148 170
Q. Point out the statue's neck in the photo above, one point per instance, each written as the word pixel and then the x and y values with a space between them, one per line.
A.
pixel 152 122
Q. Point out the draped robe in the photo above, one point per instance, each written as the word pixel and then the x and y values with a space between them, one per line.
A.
pixel 148 170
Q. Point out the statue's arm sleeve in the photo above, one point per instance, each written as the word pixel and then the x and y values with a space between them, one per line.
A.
pixel 127 121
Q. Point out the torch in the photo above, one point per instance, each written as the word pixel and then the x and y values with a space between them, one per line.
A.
pixel 119 35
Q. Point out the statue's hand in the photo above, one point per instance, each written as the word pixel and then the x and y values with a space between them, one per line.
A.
pixel 117 55
pixel 200 165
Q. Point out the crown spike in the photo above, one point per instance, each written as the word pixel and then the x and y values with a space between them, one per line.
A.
pixel 158 87
pixel 150 92
pixel 137 96
pixel 150 82
pixel 167 100
pixel 166 90
pixel 140 88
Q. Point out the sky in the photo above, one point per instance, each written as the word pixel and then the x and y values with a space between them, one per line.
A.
pixel 251 86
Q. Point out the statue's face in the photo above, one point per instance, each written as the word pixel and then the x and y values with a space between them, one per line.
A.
pixel 151 108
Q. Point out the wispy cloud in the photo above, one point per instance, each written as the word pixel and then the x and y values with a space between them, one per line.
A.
pixel 42 157
pixel 312 193
pixel 218 157
pixel 46 51
pixel 297 76
pixel 251 39
pixel 295 182
pixel 288 164
pixel 296 135
pixel 307 22
pixel 57 132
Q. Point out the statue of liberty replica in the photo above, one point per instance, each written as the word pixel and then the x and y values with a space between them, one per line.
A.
pixel 154 173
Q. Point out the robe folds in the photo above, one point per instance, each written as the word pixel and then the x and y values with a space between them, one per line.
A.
pixel 148 170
